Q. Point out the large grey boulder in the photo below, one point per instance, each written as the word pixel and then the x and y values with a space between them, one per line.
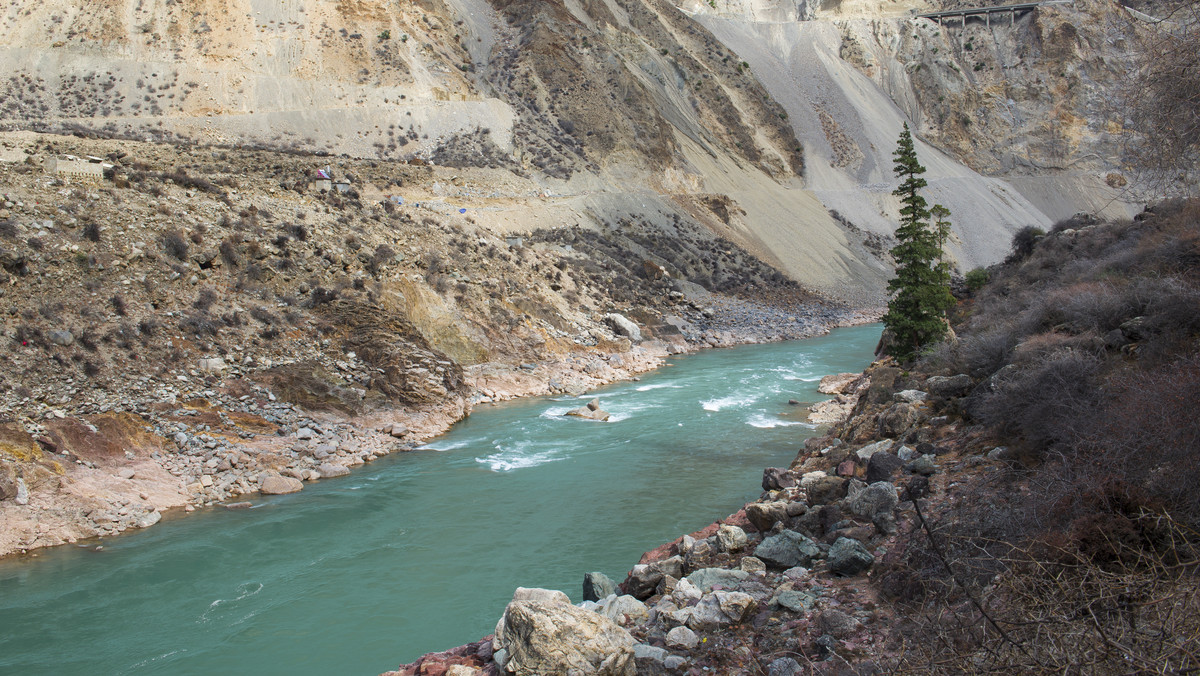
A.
pixel 682 637
pixel 764 515
pixel 717 609
pixel 788 549
pixel 597 585
pixel 849 557
pixel 875 501
pixel 624 610
pixel 707 578
pixel 881 466
pixel 623 327
pixel 274 484
pixel 950 386
pixel 329 470
pixel 544 638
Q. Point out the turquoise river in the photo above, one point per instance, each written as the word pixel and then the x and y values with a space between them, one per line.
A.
pixel 420 551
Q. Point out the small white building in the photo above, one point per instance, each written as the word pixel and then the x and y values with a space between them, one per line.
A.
pixel 73 167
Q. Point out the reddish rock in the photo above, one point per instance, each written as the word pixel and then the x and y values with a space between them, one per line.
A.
pixel 846 468
pixel 666 551
pixel 436 664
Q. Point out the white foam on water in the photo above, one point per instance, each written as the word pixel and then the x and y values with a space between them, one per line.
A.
pixel 507 461
pixel 144 662
pixel 764 421
pixel 556 411
pixel 244 590
pixel 658 386
pixel 732 401
pixel 448 445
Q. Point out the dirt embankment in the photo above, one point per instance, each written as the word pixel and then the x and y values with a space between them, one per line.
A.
pixel 201 324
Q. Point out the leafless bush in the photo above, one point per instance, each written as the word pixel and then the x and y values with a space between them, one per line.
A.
pixel 229 253
pixel 1161 96
pixel 1058 610
pixel 175 245
pixel 1041 404
pixel 205 299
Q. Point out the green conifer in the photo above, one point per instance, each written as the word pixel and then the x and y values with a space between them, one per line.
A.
pixel 916 315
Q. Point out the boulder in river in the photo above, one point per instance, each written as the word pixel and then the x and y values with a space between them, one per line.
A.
pixel 590 412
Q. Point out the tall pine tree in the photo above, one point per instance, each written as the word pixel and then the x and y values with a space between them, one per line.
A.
pixel 916 315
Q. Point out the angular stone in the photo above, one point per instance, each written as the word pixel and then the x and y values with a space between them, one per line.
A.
pixel 777 478
pixel 707 578
pixel 795 601
pixel 764 515
pixel 682 637
pixel 625 610
pixel 540 595
pixel 623 327
pixel 731 538
pixel 923 465
pixel 148 519
pixel 866 452
pixel 787 549
pixel 951 386
pixel 719 609
pixel 752 564
pixel 910 396
pixel 882 466
pixel 784 666
pixel 597 585
pixel 643 581
pixel 879 498
pixel 849 557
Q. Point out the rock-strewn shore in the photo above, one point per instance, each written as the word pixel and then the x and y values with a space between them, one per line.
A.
pixel 785 586
pixel 178 448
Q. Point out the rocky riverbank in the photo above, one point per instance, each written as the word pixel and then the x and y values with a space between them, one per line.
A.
pixel 138 460
pixel 787 585
pixel 200 325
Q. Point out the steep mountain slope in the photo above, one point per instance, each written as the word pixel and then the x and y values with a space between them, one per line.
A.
pixel 779 111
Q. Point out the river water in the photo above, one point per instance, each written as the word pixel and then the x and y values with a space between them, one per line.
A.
pixel 420 551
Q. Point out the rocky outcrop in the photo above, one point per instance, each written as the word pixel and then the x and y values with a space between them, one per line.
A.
pixel 542 634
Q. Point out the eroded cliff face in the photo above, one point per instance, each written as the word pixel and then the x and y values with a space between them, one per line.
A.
pixel 1034 93
pixel 783 113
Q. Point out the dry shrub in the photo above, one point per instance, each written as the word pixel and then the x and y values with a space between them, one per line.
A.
pixel 1044 403
pixel 1060 610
